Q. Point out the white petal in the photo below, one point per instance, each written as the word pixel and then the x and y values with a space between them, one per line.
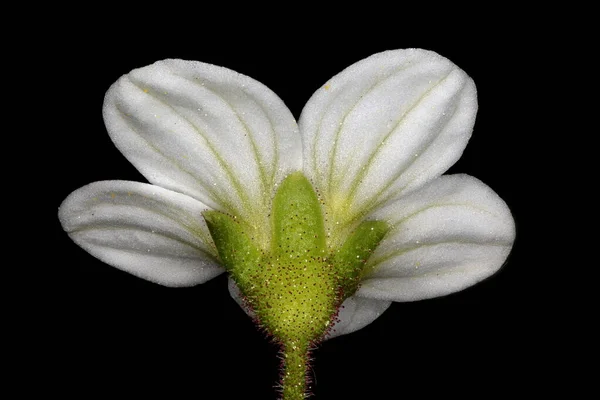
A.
pixel 447 236
pixel 384 126
pixel 355 313
pixel 206 131
pixel 151 232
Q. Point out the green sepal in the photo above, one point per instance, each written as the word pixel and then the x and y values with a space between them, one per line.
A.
pixel 351 258
pixel 297 219
pixel 237 252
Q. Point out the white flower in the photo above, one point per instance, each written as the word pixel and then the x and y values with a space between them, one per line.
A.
pixel 374 141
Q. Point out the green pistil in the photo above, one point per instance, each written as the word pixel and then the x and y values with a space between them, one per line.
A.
pixel 296 287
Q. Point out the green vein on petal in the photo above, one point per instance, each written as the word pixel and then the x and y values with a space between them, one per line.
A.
pixel 375 261
pixel 223 201
pixel 358 179
pixel 266 182
pixel 232 178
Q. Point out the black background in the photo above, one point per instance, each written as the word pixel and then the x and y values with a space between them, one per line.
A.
pixel 108 333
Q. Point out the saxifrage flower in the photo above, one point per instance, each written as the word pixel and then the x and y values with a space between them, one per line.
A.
pixel 321 224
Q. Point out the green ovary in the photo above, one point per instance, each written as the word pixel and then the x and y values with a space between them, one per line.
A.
pixel 296 286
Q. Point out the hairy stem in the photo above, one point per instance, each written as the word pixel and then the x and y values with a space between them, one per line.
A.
pixel 295 366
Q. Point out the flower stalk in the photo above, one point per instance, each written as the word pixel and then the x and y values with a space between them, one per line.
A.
pixel 295 367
